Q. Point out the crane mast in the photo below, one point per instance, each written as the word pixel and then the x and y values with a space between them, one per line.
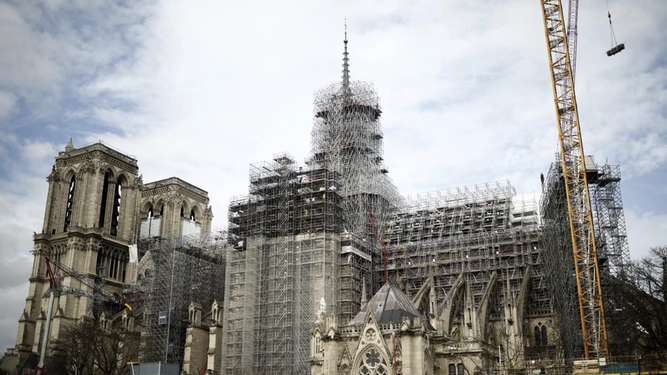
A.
pixel 572 17
pixel 576 184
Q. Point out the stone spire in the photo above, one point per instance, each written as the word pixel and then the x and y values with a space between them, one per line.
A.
pixel 364 300
pixel 70 146
pixel 346 63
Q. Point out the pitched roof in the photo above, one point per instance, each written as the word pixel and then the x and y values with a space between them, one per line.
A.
pixel 389 304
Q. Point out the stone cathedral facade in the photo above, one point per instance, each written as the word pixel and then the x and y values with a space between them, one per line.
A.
pixel 96 209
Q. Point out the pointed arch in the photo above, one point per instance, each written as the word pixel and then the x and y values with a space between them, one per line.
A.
pixel 121 182
pixel 372 361
pixel 195 213
pixel 148 210
pixel 70 201
pixel 185 209
pixel 159 207
pixel 108 176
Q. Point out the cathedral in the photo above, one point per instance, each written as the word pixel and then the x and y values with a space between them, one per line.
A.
pixel 324 268
pixel 97 209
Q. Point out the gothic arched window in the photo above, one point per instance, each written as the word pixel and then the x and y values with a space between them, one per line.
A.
pixel 115 213
pixel 103 205
pixel 538 336
pixel 460 369
pixel 373 363
pixel 70 202
pixel 544 336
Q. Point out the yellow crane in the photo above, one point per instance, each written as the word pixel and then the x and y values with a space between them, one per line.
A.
pixel 584 249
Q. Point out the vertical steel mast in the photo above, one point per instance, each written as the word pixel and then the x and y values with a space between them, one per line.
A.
pixel 576 184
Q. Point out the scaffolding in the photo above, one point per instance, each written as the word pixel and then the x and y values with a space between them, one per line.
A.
pixel 171 274
pixel 303 236
pixel 611 240
pixel 284 239
pixel 559 261
pixel 347 139
pixel 477 231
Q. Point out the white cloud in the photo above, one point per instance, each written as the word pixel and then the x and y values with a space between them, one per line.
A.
pixel 646 229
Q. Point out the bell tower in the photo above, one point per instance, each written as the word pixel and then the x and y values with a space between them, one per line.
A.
pixel 89 222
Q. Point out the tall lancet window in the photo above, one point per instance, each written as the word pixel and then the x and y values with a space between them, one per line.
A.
pixel 70 202
pixel 103 206
pixel 115 213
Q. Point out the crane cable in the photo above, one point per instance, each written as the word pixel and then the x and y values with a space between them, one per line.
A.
pixel 614 43
pixel 615 47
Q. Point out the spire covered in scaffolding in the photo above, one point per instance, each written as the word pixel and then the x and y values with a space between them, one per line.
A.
pixel 346 63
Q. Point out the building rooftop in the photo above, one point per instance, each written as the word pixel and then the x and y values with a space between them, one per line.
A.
pixel 389 304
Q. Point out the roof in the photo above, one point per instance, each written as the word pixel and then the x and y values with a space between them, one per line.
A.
pixel 388 305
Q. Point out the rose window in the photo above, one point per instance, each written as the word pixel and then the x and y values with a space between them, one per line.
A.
pixel 373 364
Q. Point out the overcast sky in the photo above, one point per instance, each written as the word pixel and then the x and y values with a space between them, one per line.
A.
pixel 201 89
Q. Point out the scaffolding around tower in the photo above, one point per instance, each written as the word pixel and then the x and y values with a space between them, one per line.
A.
pixel 611 240
pixel 172 274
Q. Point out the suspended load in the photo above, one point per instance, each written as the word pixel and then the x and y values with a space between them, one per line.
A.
pixel 615 47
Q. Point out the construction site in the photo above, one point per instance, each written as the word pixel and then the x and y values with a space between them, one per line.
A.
pixel 304 235
pixel 325 267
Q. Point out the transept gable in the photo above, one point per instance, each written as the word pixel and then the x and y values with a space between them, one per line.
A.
pixel 372 351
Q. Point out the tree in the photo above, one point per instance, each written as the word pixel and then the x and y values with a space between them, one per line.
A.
pixel 642 302
pixel 86 349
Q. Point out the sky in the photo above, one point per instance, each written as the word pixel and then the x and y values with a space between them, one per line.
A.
pixel 200 90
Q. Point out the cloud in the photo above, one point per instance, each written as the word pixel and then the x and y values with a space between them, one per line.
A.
pixel 647 230
pixel 9 314
pixel 7 104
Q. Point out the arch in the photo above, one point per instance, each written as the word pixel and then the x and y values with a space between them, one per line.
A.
pixel 159 207
pixel 108 176
pixel 538 336
pixel 371 361
pixel 197 212
pixel 545 342
pixel 67 175
pixel 70 201
pixel 460 369
pixel 110 172
pixel 123 179
pixel 185 209
pixel 121 182
pixel 147 207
